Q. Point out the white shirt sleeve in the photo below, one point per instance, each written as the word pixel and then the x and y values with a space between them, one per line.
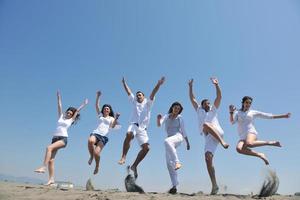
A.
pixel 163 120
pixel 182 127
pixel 235 117
pixel 258 114
pixel 131 98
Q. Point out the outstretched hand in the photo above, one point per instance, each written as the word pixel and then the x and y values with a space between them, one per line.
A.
pixel 162 80
pixel 232 108
pixel 98 93
pixel 188 147
pixel 86 101
pixel 288 115
pixel 191 82
pixel 117 115
pixel 123 80
pixel 159 116
pixel 214 80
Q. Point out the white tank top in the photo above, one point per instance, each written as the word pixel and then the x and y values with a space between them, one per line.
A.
pixel 62 126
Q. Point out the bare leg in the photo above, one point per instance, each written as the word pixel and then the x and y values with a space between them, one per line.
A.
pixel 211 172
pixel 98 150
pixel 51 168
pixel 141 155
pixel 208 128
pixel 126 146
pixel 52 147
pixel 252 141
pixel 243 149
pixel 91 143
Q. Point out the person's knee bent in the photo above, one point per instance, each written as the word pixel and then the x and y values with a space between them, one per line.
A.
pixel 49 148
pixel 91 140
pixel 51 161
pixel 249 143
pixel 208 157
pixel 239 149
pixel 167 142
pixel 129 136
pixel 146 148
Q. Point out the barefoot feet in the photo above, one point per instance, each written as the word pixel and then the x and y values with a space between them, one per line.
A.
pixel 41 169
pixel 177 166
pixel 264 158
pixel 121 161
pixel 214 190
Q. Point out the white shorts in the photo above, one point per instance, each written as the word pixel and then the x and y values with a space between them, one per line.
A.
pixel 244 135
pixel 210 143
pixel 140 134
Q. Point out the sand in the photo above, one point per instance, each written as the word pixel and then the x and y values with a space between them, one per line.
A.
pixel 22 191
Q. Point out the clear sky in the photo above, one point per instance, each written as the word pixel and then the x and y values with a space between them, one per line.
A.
pixel 80 47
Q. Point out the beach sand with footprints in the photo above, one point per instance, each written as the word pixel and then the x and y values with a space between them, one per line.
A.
pixel 22 191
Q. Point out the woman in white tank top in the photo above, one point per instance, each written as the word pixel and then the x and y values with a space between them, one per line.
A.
pixel 247 132
pixel 60 136
pixel 98 139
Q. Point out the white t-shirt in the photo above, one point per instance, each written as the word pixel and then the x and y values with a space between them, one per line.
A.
pixel 104 125
pixel 141 111
pixel 62 126
pixel 245 121
pixel 173 126
pixel 211 117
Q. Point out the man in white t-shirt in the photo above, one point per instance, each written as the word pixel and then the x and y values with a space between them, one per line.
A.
pixel 138 123
pixel 209 125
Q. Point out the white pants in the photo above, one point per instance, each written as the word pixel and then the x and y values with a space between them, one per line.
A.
pixel 171 143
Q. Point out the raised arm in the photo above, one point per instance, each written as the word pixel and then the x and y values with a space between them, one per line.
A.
pixel 59 104
pixel 191 94
pixel 287 115
pixel 218 90
pixel 115 122
pixel 79 108
pixel 158 120
pixel 154 91
pixel 127 89
pixel 98 94
pixel 231 112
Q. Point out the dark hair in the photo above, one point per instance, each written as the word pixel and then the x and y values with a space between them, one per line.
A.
pixel 139 92
pixel 203 101
pixel 175 104
pixel 111 110
pixel 77 116
pixel 245 98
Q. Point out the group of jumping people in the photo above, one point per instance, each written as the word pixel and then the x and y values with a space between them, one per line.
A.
pixel 174 127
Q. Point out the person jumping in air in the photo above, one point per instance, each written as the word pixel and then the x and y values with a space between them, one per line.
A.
pixel 246 130
pixel 60 136
pixel 138 123
pixel 209 125
pixel 98 138
pixel 174 127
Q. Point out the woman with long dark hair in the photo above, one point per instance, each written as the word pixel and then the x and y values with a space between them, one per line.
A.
pixel 60 136
pixel 98 137
pixel 248 135
pixel 174 127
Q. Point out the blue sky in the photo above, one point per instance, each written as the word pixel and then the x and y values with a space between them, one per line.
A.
pixel 80 47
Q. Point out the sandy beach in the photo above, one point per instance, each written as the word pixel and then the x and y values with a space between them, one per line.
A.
pixel 22 191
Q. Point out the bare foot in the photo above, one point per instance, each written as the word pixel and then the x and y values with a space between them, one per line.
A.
pixel 122 161
pixel 134 171
pixel 264 158
pixel 275 143
pixel 90 160
pixel 177 166
pixel 214 190
pixel 51 181
pixel 40 170
pixel 225 145
pixel 96 170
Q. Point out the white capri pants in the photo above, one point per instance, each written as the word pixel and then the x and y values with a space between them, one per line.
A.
pixel 171 143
